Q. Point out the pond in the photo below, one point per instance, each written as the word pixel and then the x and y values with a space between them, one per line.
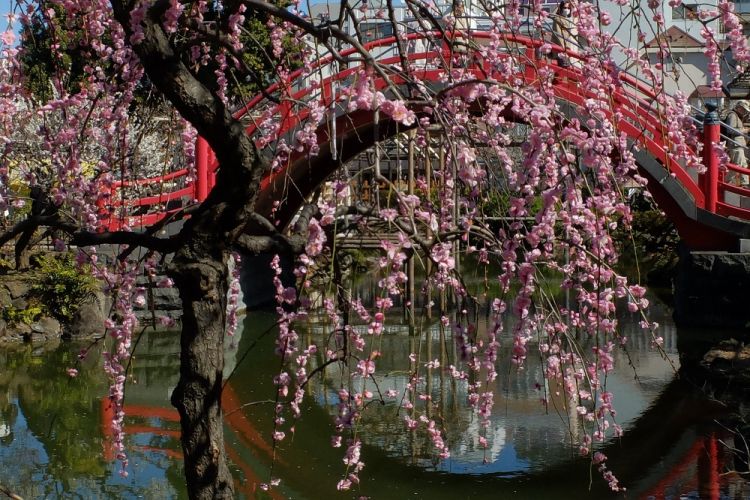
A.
pixel 54 438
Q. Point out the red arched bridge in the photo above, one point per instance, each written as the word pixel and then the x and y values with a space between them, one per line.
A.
pixel 701 207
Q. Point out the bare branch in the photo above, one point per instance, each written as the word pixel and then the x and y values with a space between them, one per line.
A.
pixel 322 33
pixel 84 238
pixel 263 223
pixel 303 220
pixel 7 492
pixel 31 222
pixel 217 37
pixel 277 243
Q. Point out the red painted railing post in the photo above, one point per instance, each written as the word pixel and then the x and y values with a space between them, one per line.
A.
pixel 711 137
pixel 709 485
pixel 201 169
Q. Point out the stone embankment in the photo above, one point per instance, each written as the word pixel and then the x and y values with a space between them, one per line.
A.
pixel 712 289
pixel 88 321
pixel 730 359
pixel 160 302
pixel 15 294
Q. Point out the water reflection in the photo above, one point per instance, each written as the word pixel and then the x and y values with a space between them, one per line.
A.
pixel 55 446
pixel 524 435
pixel 54 438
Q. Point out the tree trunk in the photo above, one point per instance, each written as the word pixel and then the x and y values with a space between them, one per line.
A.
pixel 203 285
pixel 22 250
pixel 199 268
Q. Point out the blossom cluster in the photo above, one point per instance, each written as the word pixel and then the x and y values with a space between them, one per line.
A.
pixel 546 203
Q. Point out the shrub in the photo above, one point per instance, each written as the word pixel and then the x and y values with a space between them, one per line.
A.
pixel 651 242
pixel 26 316
pixel 61 286
pixel 5 265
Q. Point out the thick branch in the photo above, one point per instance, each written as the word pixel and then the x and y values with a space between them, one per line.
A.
pixel 322 33
pixel 224 213
pixel 193 100
pixel 274 241
pixel 303 219
pixel 277 243
pixel 84 238
pixel 33 221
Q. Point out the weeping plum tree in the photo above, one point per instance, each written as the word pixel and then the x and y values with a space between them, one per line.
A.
pixel 562 196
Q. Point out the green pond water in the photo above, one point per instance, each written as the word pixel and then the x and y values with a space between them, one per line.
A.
pixel 54 433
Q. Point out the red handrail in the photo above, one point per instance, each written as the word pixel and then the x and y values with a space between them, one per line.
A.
pixel 151 180
pixel 632 98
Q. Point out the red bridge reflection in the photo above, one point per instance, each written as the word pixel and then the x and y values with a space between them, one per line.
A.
pixel 698 469
pixel 168 426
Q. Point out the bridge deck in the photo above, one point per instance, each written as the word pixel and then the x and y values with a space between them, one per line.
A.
pixel 705 209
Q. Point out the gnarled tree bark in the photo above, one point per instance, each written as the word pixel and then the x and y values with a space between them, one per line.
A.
pixel 199 267
pixel 202 282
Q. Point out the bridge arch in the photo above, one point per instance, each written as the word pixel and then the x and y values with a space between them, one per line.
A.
pixel 677 191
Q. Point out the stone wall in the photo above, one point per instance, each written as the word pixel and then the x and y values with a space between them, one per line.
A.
pixel 166 301
pixel 160 302
pixel 89 320
pixel 14 293
pixel 712 289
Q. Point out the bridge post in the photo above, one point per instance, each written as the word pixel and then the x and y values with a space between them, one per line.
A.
pixel 201 169
pixel 709 486
pixel 711 136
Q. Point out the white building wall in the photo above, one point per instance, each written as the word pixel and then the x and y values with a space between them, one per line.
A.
pixel 626 27
pixel 686 73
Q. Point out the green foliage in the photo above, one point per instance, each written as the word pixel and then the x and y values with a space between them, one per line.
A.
pixel 358 259
pixel 26 316
pixel 257 54
pixel 496 203
pixel 651 242
pixel 5 265
pixel 61 286
pixel 42 64
pixel 67 64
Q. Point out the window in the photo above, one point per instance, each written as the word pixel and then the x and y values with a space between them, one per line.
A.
pixel 742 6
pixel 685 11
pixel 548 6
pixel 375 31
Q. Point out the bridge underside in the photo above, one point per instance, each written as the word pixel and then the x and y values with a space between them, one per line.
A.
pixel 704 220
pixel 357 132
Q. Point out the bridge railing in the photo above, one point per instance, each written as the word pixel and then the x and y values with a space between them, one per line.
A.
pixel 143 202
pixel 638 103
pixel 731 180
pixel 643 117
pixel 717 191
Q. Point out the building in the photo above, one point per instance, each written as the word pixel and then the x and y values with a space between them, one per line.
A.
pixel 685 69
